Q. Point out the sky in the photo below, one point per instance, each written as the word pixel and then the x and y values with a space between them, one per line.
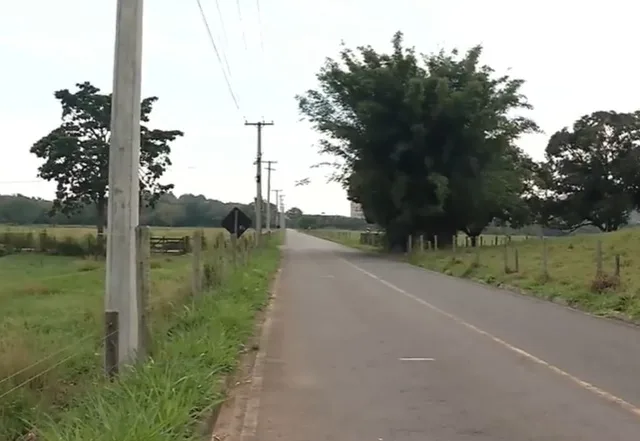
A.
pixel 576 57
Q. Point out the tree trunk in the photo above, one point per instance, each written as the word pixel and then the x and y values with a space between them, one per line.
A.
pixel 445 240
pixel 396 239
pixel 474 241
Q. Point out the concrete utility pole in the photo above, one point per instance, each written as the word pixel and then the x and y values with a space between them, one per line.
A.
pixel 277 192
pixel 269 170
pixel 259 125
pixel 124 160
pixel 282 215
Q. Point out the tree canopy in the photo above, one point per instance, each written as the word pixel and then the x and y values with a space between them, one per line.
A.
pixel 76 154
pixel 425 143
pixel 591 175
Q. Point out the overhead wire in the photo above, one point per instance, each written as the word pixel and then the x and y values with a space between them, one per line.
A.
pixel 260 25
pixel 224 37
pixel 244 38
pixel 217 52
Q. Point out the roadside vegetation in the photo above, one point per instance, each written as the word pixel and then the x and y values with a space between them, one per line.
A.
pixel 52 385
pixel 571 276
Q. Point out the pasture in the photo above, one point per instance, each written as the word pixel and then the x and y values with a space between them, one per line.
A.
pixel 571 276
pixel 51 322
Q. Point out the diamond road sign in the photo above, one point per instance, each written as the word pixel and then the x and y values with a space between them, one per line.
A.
pixel 236 222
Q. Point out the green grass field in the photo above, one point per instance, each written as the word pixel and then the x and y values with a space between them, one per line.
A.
pixel 571 278
pixel 78 231
pixel 51 312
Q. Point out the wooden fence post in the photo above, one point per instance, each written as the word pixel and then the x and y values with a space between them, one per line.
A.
pixel 599 257
pixel 422 243
pixel 435 242
pixel 196 274
pixel 516 259
pixel 506 258
pixel 111 344
pixel 617 265
pixel 143 253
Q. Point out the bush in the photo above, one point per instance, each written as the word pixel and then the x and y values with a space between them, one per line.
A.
pixel 604 283
pixel 15 242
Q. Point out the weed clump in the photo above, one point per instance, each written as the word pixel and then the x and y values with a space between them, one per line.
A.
pixel 604 283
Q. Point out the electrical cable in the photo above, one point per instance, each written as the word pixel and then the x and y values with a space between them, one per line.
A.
pixel 215 48
pixel 260 25
pixel 225 40
pixel 244 38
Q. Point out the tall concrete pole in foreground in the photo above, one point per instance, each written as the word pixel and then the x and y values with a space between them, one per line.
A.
pixel 124 154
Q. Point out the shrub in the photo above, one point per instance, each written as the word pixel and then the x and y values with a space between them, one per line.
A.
pixel 13 242
pixel 604 282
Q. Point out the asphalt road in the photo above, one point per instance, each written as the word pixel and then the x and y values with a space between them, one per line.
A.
pixel 363 348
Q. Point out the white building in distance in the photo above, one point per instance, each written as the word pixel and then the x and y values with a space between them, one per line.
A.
pixel 356 211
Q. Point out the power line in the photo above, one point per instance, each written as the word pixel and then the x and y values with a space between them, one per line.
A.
pixel 224 37
pixel 215 48
pixel 260 25
pixel 244 38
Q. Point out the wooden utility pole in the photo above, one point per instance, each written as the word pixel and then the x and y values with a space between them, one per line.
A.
pixel 121 289
pixel 269 170
pixel 259 125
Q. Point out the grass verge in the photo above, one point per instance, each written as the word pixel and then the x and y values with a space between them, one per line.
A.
pixel 571 277
pixel 166 398
pixel 51 303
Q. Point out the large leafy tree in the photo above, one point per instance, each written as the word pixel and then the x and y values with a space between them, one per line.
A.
pixel 424 143
pixel 592 173
pixel 76 154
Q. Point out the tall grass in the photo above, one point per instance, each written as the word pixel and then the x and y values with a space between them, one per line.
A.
pixel 166 399
pixel 51 314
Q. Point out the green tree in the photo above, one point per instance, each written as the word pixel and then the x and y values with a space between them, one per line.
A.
pixel 592 173
pixel 76 154
pixel 294 213
pixel 424 143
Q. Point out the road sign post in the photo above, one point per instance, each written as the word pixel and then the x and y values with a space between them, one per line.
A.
pixel 236 223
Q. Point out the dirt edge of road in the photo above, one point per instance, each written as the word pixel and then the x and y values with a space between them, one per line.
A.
pixel 236 417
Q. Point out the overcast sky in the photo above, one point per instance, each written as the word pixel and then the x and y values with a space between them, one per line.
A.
pixel 576 56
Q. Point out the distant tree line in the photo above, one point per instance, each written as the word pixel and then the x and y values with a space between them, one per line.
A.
pixel 297 219
pixel 427 144
pixel 169 210
pixel 186 210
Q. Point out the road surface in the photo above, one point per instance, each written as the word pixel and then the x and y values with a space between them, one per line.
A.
pixel 362 348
